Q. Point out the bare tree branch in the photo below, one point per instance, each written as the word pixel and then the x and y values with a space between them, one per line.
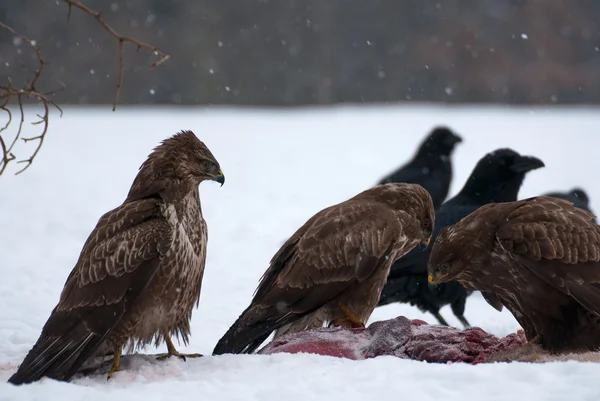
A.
pixel 161 57
pixel 29 91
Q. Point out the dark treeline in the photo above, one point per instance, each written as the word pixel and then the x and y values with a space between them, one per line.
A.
pixel 293 52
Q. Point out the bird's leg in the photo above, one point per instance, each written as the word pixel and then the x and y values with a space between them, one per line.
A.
pixel 534 346
pixel 116 365
pixel 349 318
pixel 535 340
pixel 172 351
pixel 440 318
pixel 464 322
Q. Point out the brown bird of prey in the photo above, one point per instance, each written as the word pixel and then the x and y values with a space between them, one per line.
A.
pixel 336 264
pixel 538 257
pixel 140 271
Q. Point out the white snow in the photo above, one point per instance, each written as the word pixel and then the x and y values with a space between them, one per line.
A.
pixel 281 167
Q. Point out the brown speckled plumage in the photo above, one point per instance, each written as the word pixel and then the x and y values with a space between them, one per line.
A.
pixel 539 258
pixel 139 273
pixel 340 256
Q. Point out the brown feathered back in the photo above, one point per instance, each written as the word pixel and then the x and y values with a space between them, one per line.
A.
pixel 553 229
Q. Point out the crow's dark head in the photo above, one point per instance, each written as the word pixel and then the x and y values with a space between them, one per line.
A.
pixel 440 142
pixel 498 176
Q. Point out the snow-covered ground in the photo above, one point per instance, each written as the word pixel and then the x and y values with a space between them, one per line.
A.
pixel 281 167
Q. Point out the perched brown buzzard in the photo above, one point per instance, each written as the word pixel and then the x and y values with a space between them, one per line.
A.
pixel 336 264
pixel 539 257
pixel 140 271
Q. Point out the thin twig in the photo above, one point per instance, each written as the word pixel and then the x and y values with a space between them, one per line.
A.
pixel 161 57
pixel 43 120
pixel 6 156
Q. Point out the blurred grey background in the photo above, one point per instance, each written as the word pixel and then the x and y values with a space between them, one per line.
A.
pixel 298 52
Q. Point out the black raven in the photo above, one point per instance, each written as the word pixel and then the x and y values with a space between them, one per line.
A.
pixel 431 166
pixel 578 196
pixel 497 177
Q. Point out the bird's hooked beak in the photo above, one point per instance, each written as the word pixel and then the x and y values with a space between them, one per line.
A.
pixel 433 279
pixel 219 177
pixel 424 243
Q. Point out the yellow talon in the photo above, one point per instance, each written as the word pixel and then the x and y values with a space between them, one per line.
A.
pixel 171 351
pixel 116 365
pixel 350 318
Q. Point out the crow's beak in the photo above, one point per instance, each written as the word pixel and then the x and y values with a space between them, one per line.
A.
pixel 526 163
pixel 452 140
pixel 220 178
pixel 425 243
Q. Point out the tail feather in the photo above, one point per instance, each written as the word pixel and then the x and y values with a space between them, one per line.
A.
pixel 52 357
pixel 244 337
pixel 66 342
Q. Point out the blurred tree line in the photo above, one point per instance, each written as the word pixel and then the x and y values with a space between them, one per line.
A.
pixel 296 52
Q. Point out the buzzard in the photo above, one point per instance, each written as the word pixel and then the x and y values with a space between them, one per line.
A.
pixel 539 258
pixel 431 166
pixel 334 266
pixel 497 177
pixel 140 270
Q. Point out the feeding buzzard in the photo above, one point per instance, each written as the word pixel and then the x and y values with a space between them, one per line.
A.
pixel 335 265
pixel 539 257
pixel 497 177
pixel 140 271
pixel 431 166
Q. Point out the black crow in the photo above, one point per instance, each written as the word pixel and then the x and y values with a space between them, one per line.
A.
pixel 578 196
pixel 431 166
pixel 497 177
